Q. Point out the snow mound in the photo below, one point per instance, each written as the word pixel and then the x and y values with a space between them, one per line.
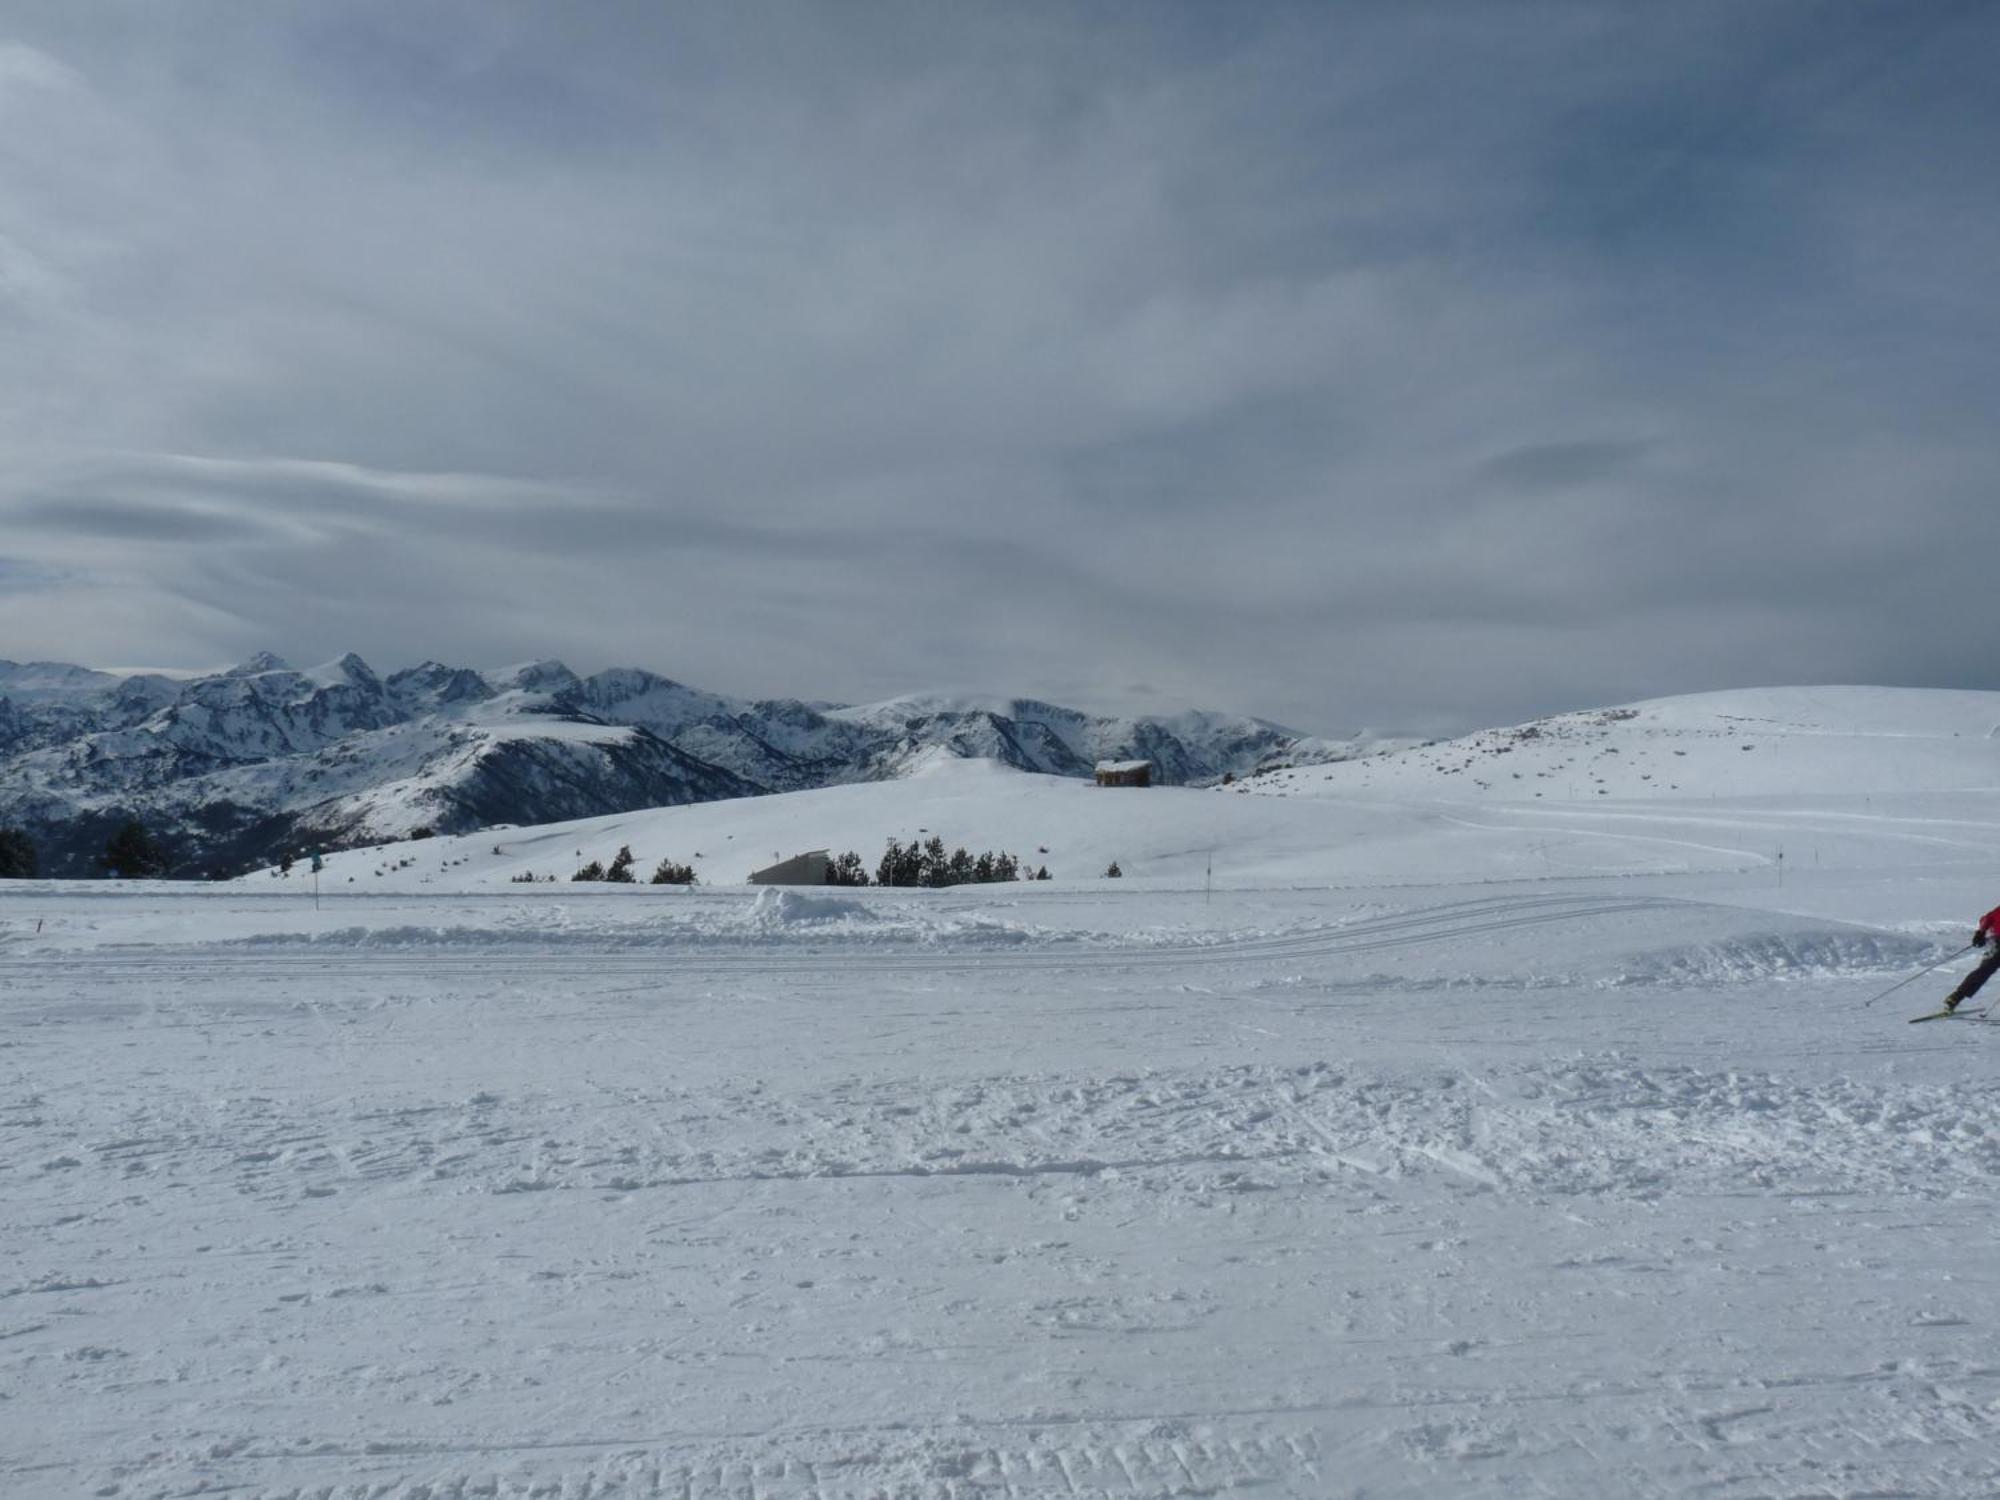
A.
pixel 775 919
pixel 777 908
pixel 779 915
pixel 1828 953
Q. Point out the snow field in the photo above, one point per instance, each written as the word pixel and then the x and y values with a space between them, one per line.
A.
pixel 1284 1210
pixel 1841 743
pixel 1410 1160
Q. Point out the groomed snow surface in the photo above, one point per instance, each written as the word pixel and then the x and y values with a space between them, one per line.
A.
pixel 1407 1138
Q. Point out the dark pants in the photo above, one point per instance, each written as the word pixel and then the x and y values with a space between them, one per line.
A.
pixel 1988 967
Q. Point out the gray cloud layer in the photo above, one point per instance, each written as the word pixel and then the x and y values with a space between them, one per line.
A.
pixel 1359 363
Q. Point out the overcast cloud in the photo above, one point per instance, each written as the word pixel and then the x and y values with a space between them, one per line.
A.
pixel 1412 366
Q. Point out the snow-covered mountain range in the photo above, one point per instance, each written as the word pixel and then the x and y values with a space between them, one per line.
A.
pixel 233 767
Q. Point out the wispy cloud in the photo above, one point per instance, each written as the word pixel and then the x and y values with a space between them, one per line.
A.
pixel 1341 364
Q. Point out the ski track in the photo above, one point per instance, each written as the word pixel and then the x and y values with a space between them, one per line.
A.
pixel 374 1225
pixel 1582 1128
pixel 1452 922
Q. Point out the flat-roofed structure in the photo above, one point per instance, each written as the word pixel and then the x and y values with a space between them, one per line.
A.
pixel 800 869
pixel 1124 773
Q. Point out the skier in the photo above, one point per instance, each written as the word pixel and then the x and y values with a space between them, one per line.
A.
pixel 1986 935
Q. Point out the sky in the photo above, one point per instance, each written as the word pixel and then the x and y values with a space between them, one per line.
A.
pixel 1402 367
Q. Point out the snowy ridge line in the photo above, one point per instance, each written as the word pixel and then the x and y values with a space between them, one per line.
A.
pixel 1363 937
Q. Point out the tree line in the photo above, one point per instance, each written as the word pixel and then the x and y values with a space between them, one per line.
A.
pixel 619 871
pixel 928 864
pixel 131 853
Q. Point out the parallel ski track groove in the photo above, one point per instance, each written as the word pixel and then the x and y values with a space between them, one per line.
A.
pixel 1434 924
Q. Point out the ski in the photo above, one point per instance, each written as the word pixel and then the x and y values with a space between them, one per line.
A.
pixel 1943 1015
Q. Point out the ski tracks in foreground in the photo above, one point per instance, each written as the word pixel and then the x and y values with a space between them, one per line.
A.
pixel 495 1254
pixel 1087 1460
pixel 404 952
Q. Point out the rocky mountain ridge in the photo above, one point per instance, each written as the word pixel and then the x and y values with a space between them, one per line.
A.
pixel 233 767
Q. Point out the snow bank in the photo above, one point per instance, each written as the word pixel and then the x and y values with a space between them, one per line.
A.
pixel 1758 958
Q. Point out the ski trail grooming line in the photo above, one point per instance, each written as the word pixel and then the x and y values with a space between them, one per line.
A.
pixel 1443 923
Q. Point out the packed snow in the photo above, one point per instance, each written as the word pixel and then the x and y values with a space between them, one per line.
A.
pixel 1387 1129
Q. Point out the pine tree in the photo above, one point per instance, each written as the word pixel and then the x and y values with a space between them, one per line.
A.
pixel 592 871
pixel 936 865
pixel 17 855
pixel 846 869
pixel 1114 872
pixel 133 854
pixel 889 865
pixel 669 873
pixel 902 865
pixel 620 872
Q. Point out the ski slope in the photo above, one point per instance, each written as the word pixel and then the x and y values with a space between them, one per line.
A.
pixel 1397 1137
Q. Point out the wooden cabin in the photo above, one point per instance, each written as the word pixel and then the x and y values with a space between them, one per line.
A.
pixel 1124 773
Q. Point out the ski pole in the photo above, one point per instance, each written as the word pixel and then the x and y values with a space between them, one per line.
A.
pixel 1919 974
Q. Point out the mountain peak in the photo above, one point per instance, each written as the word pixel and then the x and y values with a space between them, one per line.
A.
pixel 435 683
pixel 263 661
pixel 349 669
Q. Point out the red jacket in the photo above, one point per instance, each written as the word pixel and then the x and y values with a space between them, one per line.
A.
pixel 1988 930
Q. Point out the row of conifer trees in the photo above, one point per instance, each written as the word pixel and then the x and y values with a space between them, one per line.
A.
pixel 131 854
pixel 619 871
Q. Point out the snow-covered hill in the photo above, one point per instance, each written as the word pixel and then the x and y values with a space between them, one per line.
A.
pixel 1895 778
pixel 233 767
pixel 1746 743
pixel 1892 776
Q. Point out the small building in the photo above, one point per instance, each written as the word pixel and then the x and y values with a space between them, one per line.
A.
pixel 1124 773
pixel 800 869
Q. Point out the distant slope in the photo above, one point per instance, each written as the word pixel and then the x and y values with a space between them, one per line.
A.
pixel 1861 779
pixel 1072 826
pixel 1856 741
